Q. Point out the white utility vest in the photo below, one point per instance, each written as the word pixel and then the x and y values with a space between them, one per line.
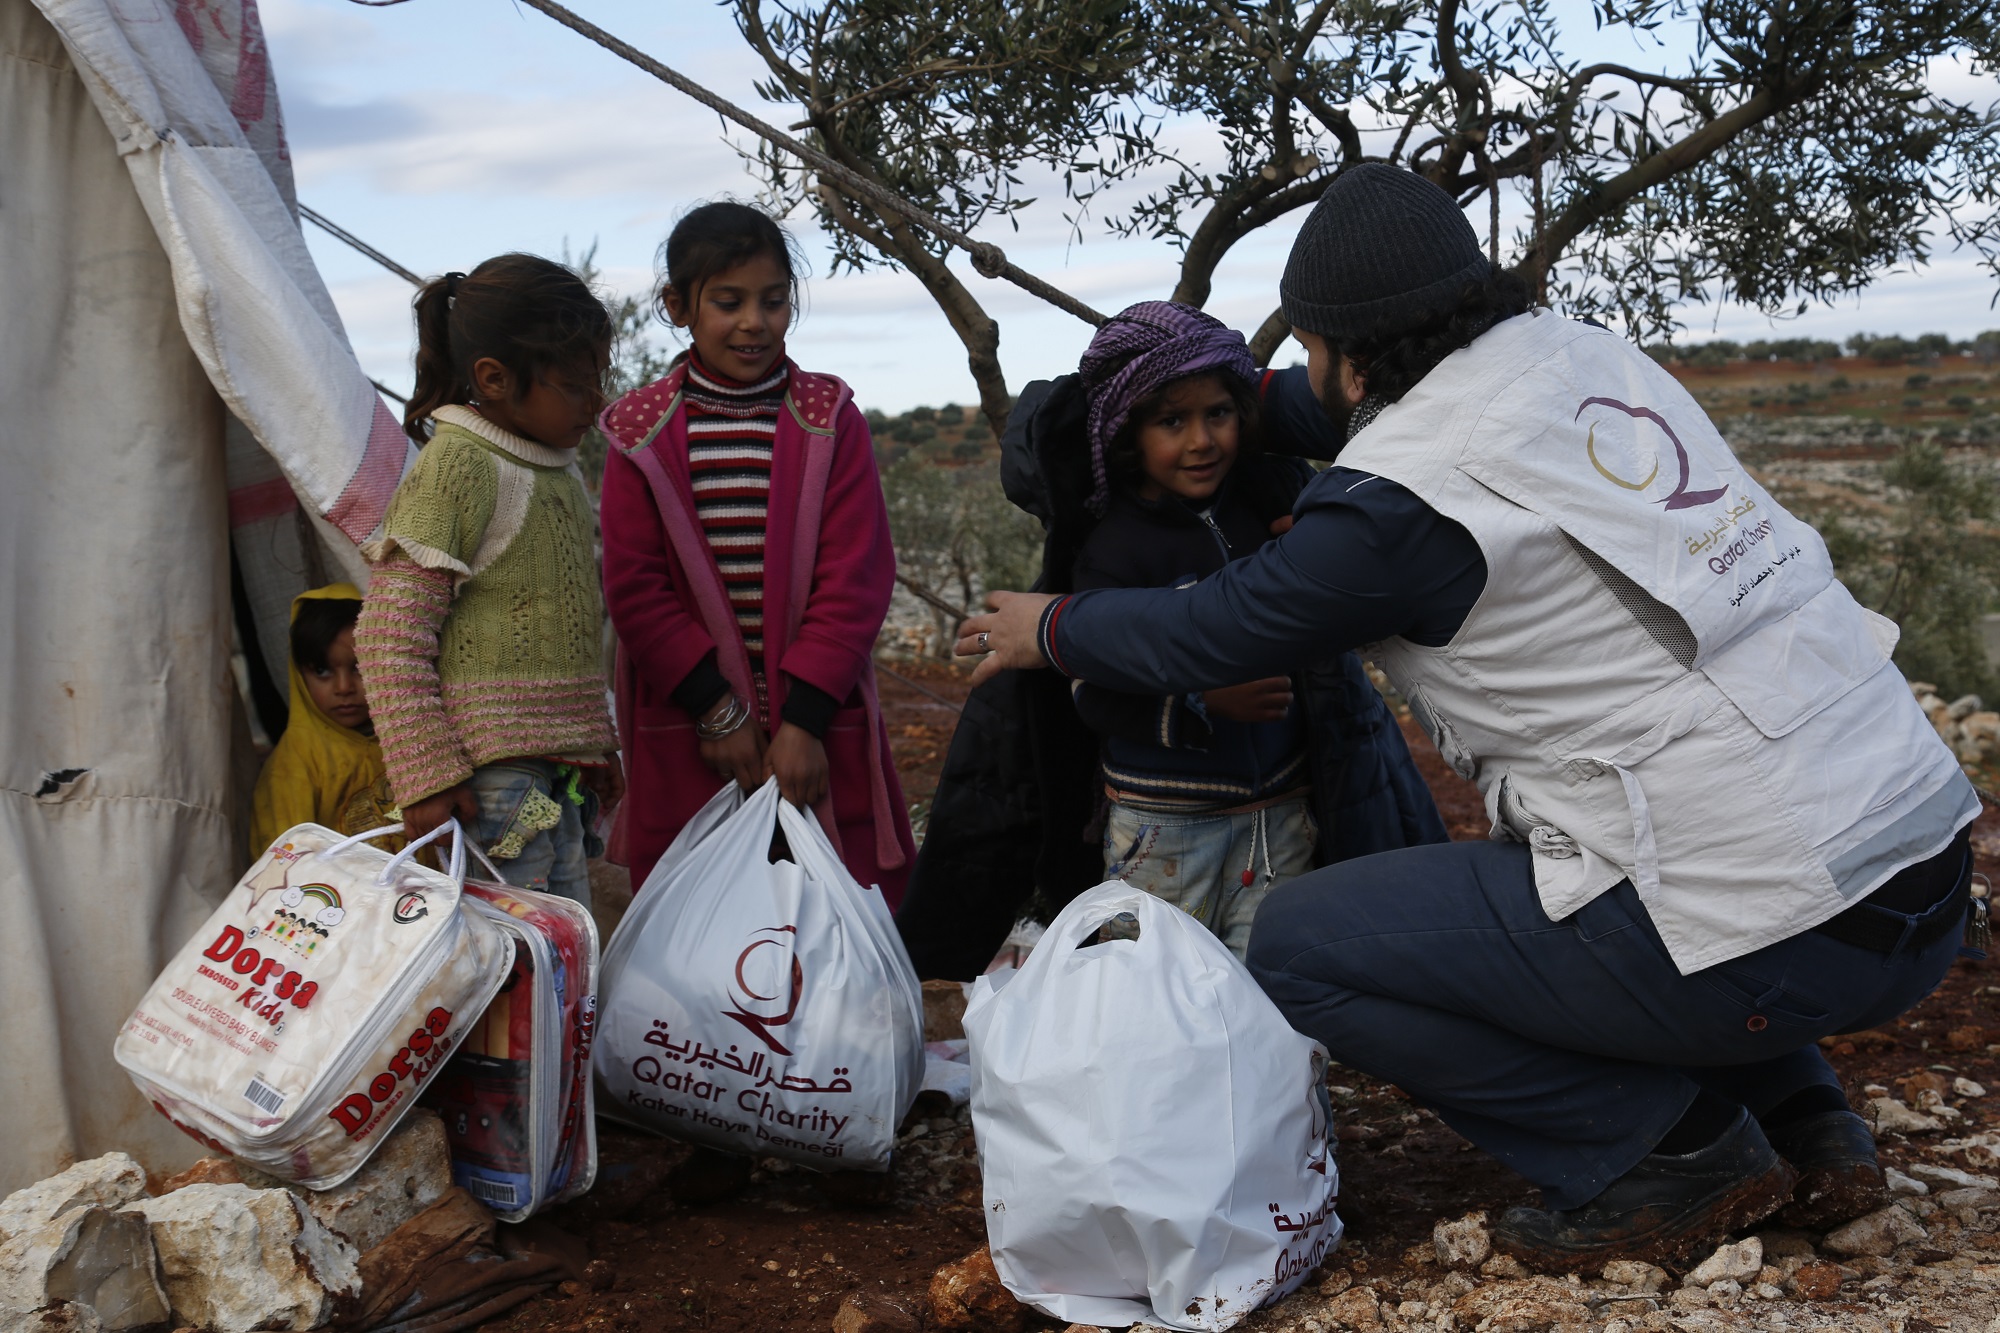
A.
pixel 1663 680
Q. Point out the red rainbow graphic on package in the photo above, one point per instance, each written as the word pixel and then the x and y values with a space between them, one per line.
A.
pixel 760 1106
pixel 300 1023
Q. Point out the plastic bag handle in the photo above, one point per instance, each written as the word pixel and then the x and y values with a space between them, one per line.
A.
pixel 810 849
pixel 458 841
pixel 479 853
pixel 1088 923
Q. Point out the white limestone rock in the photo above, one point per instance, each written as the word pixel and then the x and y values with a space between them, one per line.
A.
pixel 406 1175
pixel 1967 1205
pixel 1877 1233
pixel 1466 1243
pixel 65 1318
pixel 1902 1185
pixel 1739 1263
pixel 1951 1175
pixel 1886 1116
pixel 110 1181
pixel 89 1256
pixel 234 1259
pixel 1641 1277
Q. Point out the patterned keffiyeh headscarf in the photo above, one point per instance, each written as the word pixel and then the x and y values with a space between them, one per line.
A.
pixel 1136 352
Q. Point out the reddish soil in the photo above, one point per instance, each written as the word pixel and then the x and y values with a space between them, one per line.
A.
pixel 920 720
pixel 780 1256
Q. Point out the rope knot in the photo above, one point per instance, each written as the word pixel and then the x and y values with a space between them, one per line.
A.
pixel 988 260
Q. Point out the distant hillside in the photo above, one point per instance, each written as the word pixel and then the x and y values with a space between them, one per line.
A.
pixel 948 434
pixel 1956 396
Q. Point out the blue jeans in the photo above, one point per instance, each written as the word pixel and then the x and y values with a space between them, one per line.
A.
pixel 1196 862
pixel 1566 1049
pixel 531 828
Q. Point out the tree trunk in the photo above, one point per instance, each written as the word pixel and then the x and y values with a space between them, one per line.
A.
pixel 976 329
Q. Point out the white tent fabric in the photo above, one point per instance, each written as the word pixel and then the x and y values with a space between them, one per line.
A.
pixel 155 285
pixel 114 518
pixel 252 305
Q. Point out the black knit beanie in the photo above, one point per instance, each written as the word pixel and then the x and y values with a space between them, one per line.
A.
pixel 1381 241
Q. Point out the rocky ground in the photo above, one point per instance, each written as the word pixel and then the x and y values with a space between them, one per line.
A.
pixel 785 1255
pixel 665 1242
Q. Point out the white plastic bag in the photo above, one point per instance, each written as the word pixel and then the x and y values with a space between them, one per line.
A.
pixel 760 1007
pixel 1152 1133
pixel 301 1022
pixel 516 1096
pixel 693 833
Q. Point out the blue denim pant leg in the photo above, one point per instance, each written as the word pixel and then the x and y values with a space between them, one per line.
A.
pixel 551 859
pixel 1565 1049
pixel 1197 862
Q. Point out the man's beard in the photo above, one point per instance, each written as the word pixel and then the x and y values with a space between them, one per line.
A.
pixel 1338 410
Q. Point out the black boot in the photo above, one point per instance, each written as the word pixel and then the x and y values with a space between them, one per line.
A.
pixel 1662 1211
pixel 1839 1176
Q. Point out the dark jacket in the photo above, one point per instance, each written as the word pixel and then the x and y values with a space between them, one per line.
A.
pixel 1016 810
pixel 1167 752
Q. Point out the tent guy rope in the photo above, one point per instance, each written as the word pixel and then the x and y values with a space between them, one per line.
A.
pixel 988 260
pixel 340 233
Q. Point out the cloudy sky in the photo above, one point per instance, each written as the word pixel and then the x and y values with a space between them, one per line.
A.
pixel 443 131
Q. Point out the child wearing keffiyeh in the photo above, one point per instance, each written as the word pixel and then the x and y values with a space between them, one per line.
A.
pixel 1208 789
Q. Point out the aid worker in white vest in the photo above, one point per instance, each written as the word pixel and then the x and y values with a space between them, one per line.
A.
pixel 1722 828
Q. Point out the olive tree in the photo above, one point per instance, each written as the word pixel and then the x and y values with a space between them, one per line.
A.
pixel 1773 152
pixel 956 535
pixel 1936 591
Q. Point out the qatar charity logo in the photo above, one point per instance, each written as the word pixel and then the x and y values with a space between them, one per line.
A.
pixel 758 983
pixel 1682 496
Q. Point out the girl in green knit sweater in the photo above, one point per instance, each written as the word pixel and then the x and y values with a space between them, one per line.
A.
pixel 480 634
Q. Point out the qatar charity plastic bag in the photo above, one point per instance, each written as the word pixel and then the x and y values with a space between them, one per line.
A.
pixel 763 1007
pixel 693 833
pixel 1152 1133
pixel 302 1021
pixel 516 1097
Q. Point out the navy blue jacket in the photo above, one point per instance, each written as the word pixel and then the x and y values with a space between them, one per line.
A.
pixel 1166 751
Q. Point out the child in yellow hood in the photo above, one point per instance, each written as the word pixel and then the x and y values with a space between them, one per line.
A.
pixel 327 767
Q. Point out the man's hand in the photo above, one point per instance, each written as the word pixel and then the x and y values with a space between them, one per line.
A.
pixel 1281 525
pixel 738 755
pixel 798 760
pixel 607 783
pixel 1010 629
pixel 420 817
pixel 1266 700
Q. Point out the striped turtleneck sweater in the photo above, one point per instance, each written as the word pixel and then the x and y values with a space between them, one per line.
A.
pixel 731 427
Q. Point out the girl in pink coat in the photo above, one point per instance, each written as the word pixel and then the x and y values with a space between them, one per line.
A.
pixel 747 566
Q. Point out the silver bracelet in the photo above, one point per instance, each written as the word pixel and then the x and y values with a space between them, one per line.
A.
pixel 732 719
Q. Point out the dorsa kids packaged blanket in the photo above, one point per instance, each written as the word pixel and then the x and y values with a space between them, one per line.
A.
pixel 303 1020
pixel 516 1096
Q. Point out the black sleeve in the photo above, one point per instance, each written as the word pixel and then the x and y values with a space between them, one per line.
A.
pixel 701 687
pixel 808 706
pixel 1163 720
pixel 1294 422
